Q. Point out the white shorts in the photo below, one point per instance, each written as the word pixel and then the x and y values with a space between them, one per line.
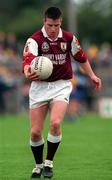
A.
pixel 46 92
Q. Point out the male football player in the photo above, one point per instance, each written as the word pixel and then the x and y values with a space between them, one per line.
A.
pixel 52 94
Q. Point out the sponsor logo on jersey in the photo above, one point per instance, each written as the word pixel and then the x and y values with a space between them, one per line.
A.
pixel 57 59
pixel 53 43
pixel 64 46
pixel 45 46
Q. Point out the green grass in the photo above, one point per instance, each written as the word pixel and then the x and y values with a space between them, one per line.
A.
pixel 84 154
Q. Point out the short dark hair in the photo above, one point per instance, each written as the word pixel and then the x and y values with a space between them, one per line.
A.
pixel 53 13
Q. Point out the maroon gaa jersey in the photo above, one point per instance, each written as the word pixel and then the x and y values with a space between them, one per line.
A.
pixel 59 51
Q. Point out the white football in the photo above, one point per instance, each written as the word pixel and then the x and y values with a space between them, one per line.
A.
pixel 43 66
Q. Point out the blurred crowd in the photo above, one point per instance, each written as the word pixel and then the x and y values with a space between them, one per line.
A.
pixel 14 87
pixel 11 77
pixel 84 98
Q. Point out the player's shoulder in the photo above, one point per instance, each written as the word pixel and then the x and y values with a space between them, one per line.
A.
pixel 37 35
pixel 68 35
pixel 34 39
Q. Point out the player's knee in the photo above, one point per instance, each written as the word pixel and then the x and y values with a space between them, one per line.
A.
pixel 55 125
pixel 35 134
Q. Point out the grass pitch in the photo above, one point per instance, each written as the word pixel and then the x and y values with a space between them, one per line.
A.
pixel 85 152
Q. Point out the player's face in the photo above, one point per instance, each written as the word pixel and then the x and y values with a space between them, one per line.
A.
pixel 52 27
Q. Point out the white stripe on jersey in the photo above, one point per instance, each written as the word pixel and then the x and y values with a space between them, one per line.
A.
pixel 75 47
pixel 32 46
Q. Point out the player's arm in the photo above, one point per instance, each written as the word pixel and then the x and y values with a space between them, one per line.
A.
pixel 80 56
pixel 88 70
pixel 30 52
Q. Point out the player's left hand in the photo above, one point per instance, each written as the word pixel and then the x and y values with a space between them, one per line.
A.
pixel 97 82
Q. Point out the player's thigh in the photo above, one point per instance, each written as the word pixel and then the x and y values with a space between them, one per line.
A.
pixel 58 110
pixel 37 116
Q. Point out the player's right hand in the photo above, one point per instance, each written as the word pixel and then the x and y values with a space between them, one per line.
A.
pixel 29 75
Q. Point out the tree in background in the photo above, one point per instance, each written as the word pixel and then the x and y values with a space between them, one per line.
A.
pixel 25 16
pixel 94 21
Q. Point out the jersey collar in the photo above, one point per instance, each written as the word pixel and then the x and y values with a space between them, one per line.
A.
pixel 45 34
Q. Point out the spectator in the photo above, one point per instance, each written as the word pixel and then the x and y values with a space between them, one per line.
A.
pixel 105 55
pixel 11 44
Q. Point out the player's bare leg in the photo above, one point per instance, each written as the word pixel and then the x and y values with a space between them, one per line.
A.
pixel 37 117
pixel 58 109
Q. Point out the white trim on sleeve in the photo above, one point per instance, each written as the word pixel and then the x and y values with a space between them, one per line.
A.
pixel 75 47
pixel 32 46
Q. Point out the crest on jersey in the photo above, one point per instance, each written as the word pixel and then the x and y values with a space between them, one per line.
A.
pixel 64 46
pixel 45 46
